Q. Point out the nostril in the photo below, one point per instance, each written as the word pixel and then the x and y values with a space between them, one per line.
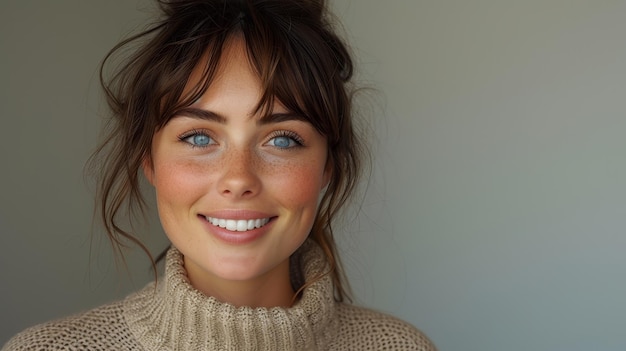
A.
pixel 236 183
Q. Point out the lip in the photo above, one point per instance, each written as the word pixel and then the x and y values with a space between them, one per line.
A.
pixel 236 237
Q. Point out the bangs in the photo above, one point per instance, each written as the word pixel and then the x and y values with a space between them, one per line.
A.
pixel 303 69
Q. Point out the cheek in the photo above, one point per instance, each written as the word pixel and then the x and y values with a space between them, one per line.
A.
pixel 179 182
pixel 299 184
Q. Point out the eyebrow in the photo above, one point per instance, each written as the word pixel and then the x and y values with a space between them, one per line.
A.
pixel 216 117
pixel 281 117
pixel 202 114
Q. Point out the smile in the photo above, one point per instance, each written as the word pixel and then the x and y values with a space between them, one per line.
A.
pixel 239 225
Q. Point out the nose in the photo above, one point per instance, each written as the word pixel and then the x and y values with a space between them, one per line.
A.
pixel 240 175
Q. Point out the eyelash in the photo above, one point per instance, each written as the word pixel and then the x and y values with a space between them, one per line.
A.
pixel 289 134
pixel 195 132
pixel 277 134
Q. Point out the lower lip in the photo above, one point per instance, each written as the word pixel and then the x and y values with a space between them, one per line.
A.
pixel 234 237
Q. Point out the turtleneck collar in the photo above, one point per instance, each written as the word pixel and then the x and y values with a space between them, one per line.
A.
pixel 175 316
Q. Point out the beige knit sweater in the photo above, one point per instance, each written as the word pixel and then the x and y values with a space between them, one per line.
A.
pixel 175 316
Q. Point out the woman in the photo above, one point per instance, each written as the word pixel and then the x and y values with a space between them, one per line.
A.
pixel 238 114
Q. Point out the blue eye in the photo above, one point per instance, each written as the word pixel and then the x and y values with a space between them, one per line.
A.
pixel 197 139
pixel 285 141
pixel 201 140
pixel 282 142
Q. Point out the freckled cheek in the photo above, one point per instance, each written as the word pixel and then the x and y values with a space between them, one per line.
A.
pixel 181 182
pixel 299 184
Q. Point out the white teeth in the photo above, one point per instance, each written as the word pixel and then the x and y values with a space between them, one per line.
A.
pixel 240 225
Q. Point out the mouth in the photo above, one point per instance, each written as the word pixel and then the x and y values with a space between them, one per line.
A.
pixel 238 225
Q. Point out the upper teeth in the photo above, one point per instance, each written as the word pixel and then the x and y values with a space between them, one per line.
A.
pixel 240 225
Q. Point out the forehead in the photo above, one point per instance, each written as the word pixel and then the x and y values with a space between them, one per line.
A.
pixel 232 69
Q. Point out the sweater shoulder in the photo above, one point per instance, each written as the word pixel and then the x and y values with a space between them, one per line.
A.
pixel 365 329
pixel 102 328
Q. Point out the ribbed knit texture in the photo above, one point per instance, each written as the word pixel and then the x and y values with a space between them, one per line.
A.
pixel 179 317
pixel 175 316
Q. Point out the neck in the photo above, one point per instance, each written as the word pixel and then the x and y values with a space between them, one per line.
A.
pixel 163 317
pixel 273 289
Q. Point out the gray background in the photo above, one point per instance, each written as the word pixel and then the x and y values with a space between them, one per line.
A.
pixel 495 216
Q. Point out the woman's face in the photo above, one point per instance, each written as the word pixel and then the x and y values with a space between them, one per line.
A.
pixel 236 194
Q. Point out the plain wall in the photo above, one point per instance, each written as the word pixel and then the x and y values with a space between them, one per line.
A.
pixel 495 214
pixel 501 168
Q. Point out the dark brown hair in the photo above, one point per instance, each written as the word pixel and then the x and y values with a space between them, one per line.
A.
pixel 299 60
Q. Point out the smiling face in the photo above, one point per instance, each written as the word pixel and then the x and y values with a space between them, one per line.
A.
pixel 237 194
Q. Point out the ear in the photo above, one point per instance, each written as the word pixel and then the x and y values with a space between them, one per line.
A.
pixel 148 170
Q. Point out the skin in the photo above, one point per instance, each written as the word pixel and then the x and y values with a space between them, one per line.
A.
pixel 219 159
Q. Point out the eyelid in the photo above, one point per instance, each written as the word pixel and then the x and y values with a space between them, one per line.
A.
pixel 193 132
pixel 289 134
